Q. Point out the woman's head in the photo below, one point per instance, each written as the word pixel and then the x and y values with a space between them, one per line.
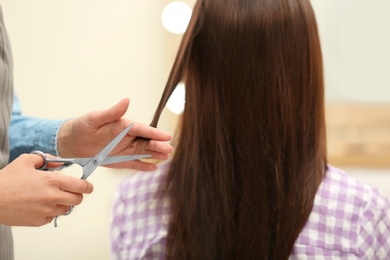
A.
pixel 252 138
pixel 256 60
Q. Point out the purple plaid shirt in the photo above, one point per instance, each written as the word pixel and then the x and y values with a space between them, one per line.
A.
pixel 349 220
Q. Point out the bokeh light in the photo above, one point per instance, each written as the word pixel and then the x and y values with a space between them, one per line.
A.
pixel 176 102
pixel 176 16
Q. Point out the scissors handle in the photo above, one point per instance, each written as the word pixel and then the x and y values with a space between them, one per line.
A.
pixel 46 161
pixel 83 161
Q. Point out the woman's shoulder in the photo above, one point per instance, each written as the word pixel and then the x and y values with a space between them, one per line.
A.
pixel 348 219
pixel 339 186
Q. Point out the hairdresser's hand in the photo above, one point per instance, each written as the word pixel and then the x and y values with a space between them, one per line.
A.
pixel 30 197
pixel 86 135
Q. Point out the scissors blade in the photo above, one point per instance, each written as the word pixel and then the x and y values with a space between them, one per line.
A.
pixel 99 158
pixel 109 160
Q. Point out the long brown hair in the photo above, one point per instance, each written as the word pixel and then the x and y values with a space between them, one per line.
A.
pixel 251 151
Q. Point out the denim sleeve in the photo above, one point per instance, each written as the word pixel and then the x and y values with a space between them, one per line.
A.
pixel 30 133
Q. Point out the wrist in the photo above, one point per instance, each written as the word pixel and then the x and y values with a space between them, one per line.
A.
pixel 64 139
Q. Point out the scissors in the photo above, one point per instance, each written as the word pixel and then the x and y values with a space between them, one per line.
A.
pixel 89 165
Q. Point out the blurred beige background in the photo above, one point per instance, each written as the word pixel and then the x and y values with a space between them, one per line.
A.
pixel 75 56
pixel 79 55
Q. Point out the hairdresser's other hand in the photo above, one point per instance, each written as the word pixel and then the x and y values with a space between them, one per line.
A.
pixel 30 197
pixel 86 135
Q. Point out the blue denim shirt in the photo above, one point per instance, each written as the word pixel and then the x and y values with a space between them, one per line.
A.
pixel 30 133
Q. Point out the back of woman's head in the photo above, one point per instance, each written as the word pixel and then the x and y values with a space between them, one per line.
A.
pixel 251 150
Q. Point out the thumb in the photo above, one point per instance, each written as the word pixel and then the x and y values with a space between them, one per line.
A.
pixel 111 114
pixel 33 159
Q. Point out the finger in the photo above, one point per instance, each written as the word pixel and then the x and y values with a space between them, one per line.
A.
pixel 69 199
pixel 157 155
pixel 153 154
pixel 145 166
pixel 99 118
pixel 53 164
pixel 49 219
pixel 62 209
pixel 160 147
pixel 35 160
pixel 149 132
pixel 155 148
pixel 59 210
pixel 135 165
pixel 74 185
